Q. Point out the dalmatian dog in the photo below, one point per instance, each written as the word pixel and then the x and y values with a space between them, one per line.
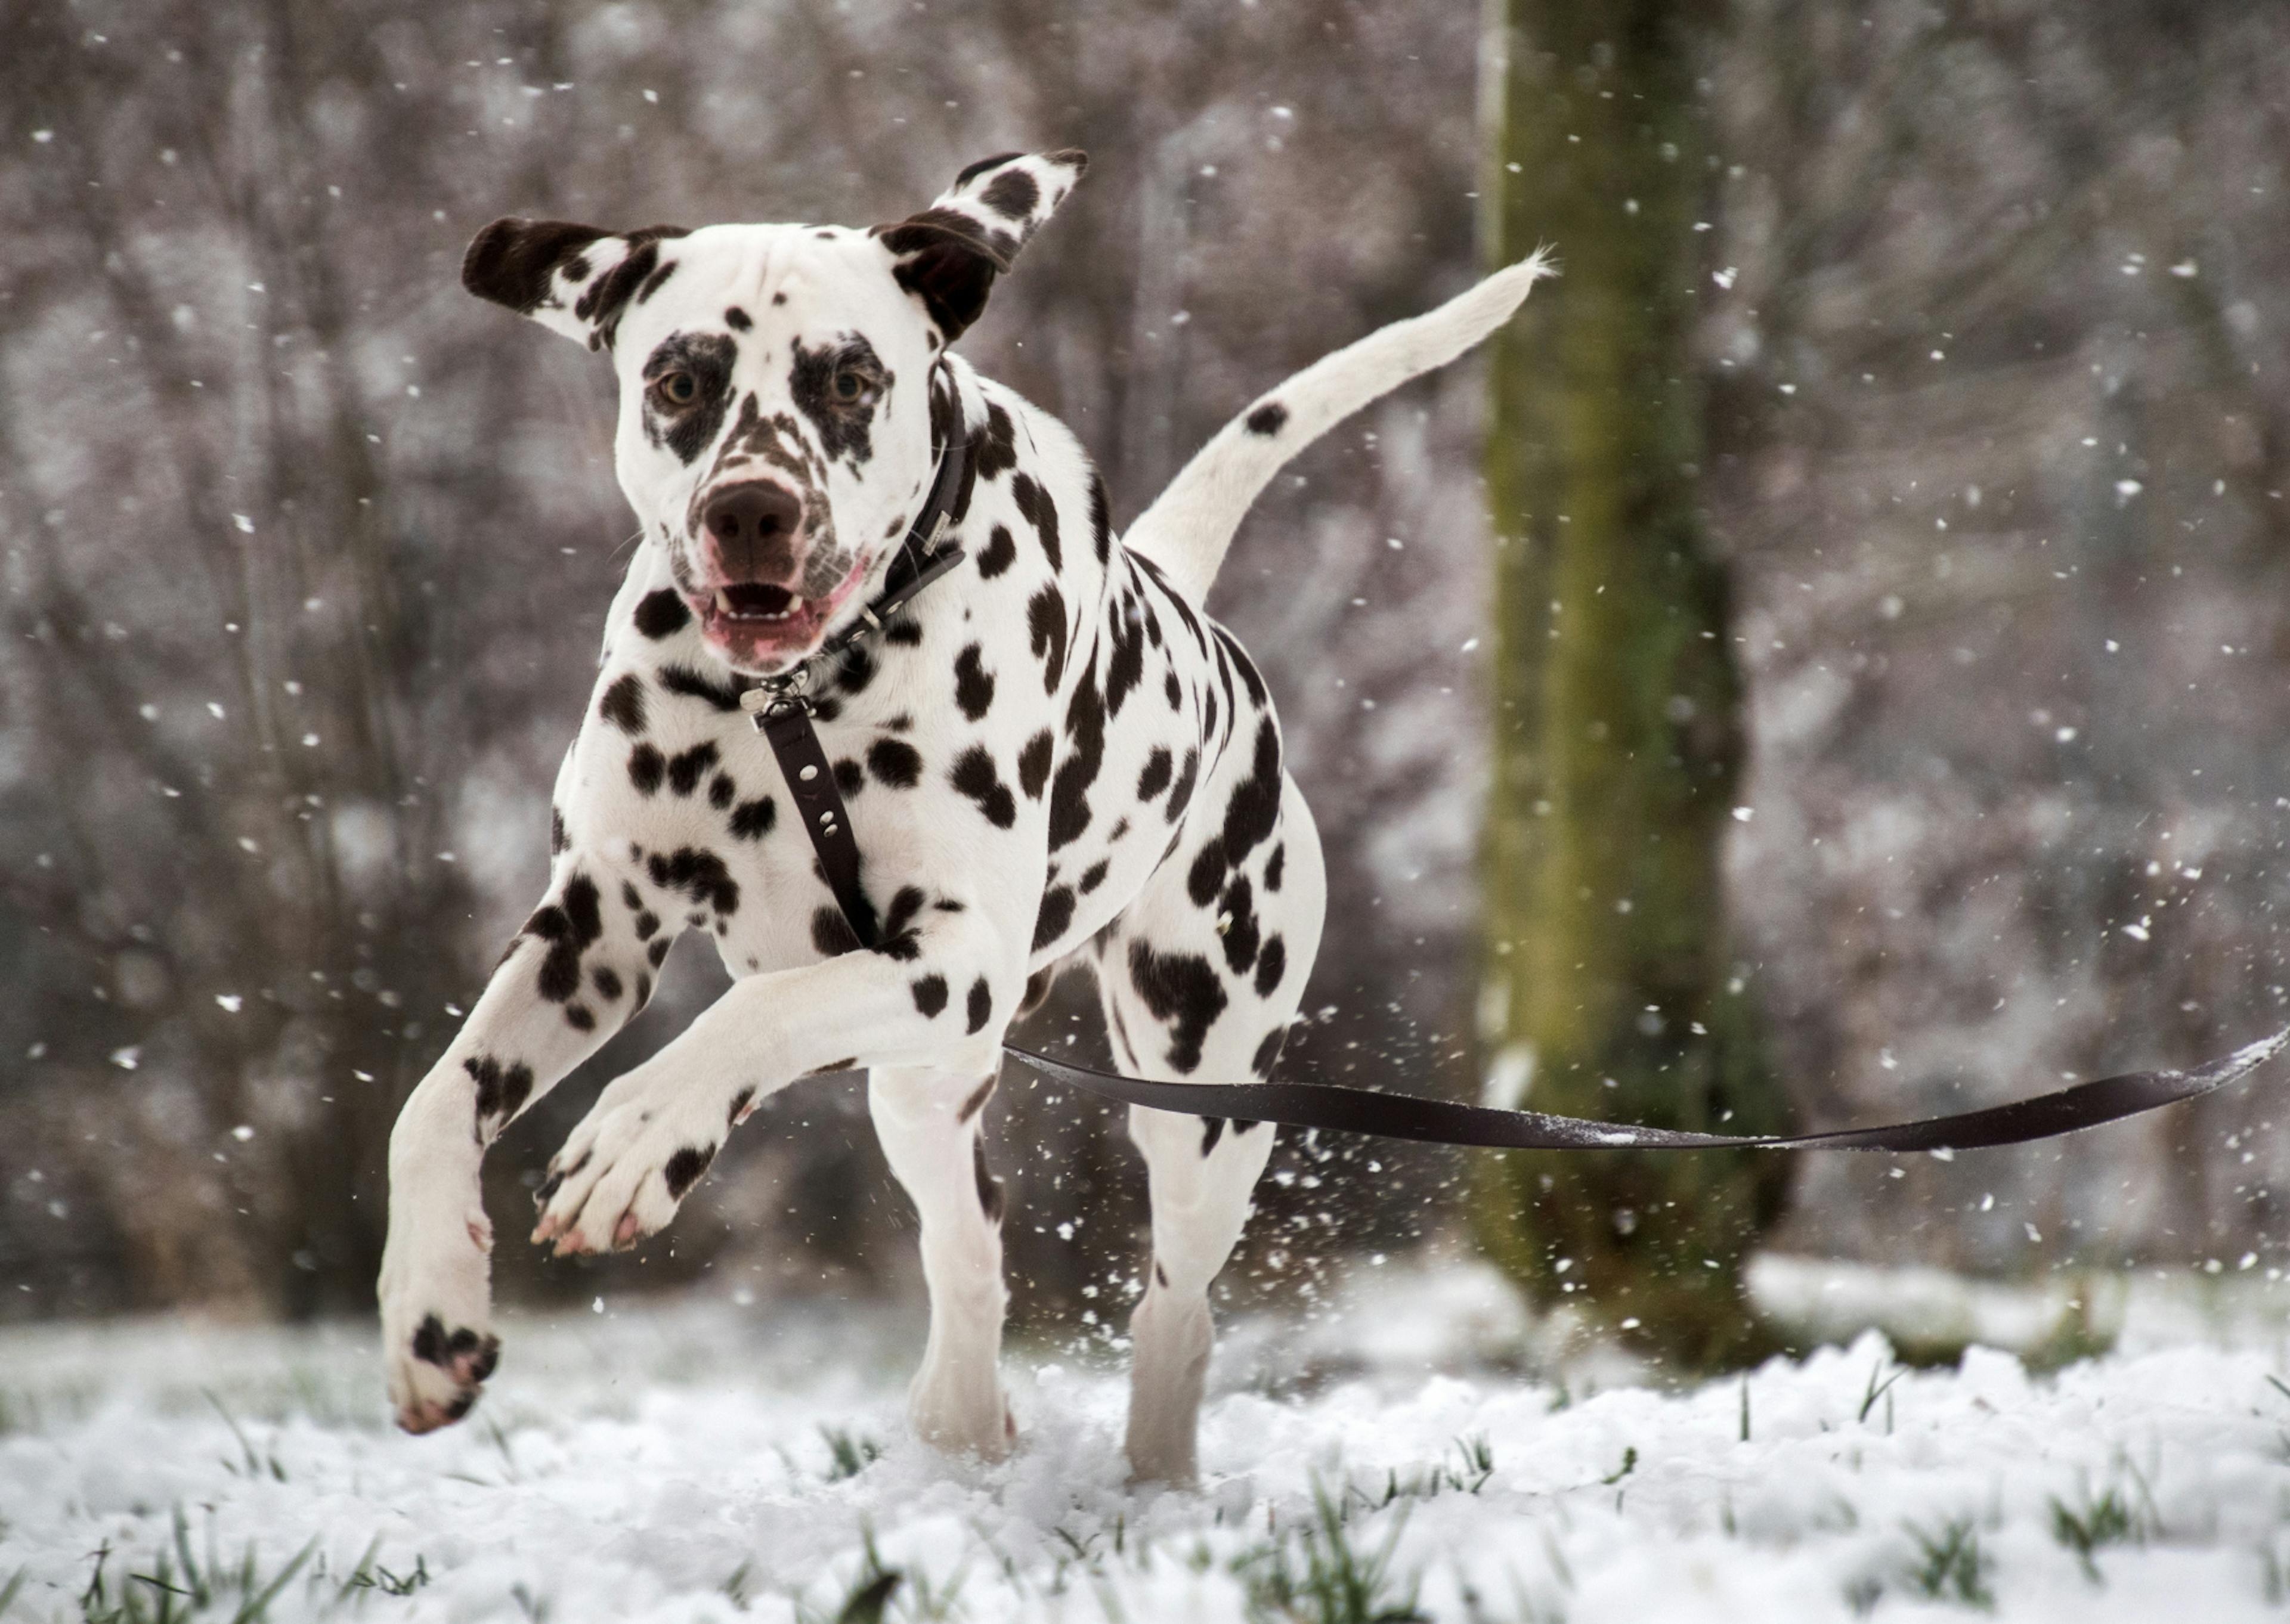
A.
pixel 1051 753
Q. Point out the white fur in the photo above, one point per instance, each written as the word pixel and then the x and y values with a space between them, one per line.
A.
pixel 1190 526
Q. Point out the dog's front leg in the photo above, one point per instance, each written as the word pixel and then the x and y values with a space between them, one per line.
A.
pixel 581 966
pixel 937 993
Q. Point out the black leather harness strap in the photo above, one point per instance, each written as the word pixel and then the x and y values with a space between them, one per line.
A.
pixel 819 803
pixel 780 707
pixel 782 710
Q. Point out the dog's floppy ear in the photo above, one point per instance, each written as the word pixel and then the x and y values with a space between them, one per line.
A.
pixel 577 280
pixel 948 255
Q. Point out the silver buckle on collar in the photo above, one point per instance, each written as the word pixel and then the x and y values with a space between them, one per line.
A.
pixel 774 696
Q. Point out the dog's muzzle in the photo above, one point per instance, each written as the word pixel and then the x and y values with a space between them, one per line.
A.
pixel 755 542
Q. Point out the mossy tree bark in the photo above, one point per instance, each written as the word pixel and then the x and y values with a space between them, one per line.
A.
pixel 1608 990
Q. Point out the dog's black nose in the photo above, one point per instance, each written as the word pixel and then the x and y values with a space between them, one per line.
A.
pixel 754 512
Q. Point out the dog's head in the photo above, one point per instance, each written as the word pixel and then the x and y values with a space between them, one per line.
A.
pixel 775 424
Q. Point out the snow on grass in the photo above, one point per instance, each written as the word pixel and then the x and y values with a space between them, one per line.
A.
pixel 685 1459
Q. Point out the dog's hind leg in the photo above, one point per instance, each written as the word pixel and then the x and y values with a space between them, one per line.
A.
pixel 1203 993
pixel 929 1122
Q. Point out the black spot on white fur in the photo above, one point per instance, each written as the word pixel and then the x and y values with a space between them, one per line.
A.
pixel 1268 419
pixel 1184 993
pixel 656 281
pixel 1101 518
pixel 996 451
pixel 753 819
pixel 895 762
pixel 1155 778
pixel 973 684
pixel 623 705
pixel 974 774
pixel 1013 193
pixel 570 925
pixel 662 614
pixel 1045 629
pixel 1055 918
pixel 685 1167
pixel 684 681
pixel 1271 965
pixel 688 767
pixel 697 874
pixel 1069 812
pixel 1188 776
pixel 1034 764
pixel 1250 817
pixel 1041 513
pixel 1237 919
pixel 502 1090
pixel 1124 669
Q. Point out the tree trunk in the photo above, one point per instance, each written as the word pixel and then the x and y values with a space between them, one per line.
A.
pixel 1608 988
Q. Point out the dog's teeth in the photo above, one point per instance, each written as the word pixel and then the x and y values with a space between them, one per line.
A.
pixel 723 602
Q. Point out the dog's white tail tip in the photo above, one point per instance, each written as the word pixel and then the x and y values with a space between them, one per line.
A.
pixel 1187 528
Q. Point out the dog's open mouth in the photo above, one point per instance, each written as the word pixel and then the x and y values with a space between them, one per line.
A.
pixel 754 602
pixel 763 629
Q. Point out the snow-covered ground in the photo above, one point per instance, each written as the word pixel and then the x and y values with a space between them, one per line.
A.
pixel 694 1459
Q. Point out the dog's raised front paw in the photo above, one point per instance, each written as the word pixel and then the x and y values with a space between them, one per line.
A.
pixel 626 1168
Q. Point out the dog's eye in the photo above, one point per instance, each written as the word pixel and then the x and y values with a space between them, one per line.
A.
pixel 675 388
pixel 849 386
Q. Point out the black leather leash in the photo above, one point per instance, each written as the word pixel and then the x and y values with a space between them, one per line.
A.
pixel 781 709
pixel 1338 1110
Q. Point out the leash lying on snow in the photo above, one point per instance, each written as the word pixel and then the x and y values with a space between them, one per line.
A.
pixel 781 710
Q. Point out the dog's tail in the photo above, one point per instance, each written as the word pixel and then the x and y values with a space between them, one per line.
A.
pixel 1190 526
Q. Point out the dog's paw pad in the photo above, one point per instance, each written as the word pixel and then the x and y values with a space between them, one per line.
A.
pixel 467 1356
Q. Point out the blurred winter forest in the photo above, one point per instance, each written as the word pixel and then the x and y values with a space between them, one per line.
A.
pixel 306 555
